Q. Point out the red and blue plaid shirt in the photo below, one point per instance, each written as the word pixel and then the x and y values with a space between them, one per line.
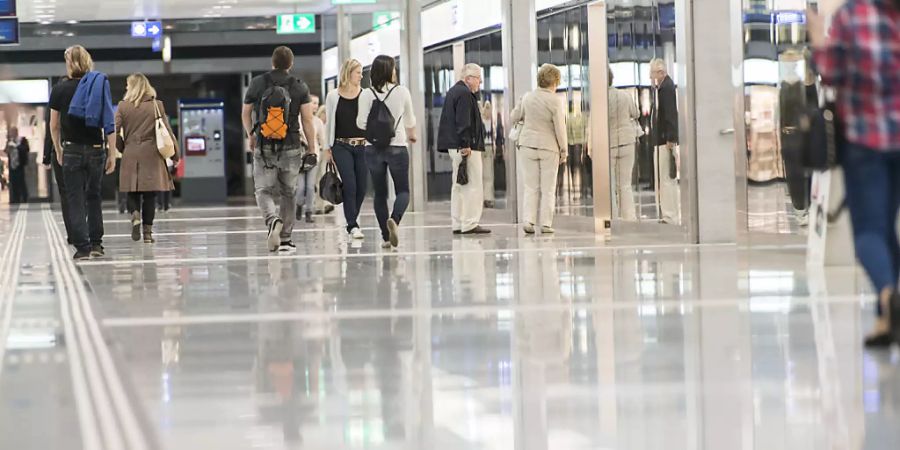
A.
pixel 862 61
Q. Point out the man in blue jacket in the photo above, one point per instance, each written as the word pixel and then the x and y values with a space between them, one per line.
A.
pixel 78 144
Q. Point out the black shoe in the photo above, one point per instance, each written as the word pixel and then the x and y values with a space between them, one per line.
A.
pixel 82 255
pixel 97 251
pixel 883 340
pixel 309 218
pixel 329 209
pixel 287 247
pixel 274 238
pixel 457 232
pixel 477 230
pixel 298 216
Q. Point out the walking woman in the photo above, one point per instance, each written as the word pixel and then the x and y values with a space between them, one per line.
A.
pixel 394 158
pixel 144 171
pixel 543 147
pixel 347 142
pixel 623 134
pixel 861 59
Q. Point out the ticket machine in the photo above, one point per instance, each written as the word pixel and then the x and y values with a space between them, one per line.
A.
pixel 202 135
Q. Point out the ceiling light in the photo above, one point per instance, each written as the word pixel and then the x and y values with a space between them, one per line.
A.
pixel 71 22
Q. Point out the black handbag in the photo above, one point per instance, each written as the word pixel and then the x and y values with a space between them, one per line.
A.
pixel 673 165
pixel 331 189
pixel 462 174
pixel 821 138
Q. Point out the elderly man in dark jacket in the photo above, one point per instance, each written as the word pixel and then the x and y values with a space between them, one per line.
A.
pixel 461 132
pixel 665 136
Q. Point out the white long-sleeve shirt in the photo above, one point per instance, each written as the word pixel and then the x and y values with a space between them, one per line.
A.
pixel 399 103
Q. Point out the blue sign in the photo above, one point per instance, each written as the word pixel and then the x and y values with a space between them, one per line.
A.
pixel 7 8
pixel 9 31
pixel 157 44
pixel 145 29
pixel 788 17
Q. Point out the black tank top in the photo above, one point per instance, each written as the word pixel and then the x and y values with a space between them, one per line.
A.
pixel 345 119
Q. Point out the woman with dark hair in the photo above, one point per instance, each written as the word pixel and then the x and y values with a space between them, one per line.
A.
pixel 393 158
pixel 861 59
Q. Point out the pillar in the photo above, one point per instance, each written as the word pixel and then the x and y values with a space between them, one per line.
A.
pixel 519 31
pixel 412 65
pixel 710 39
pixel 344 34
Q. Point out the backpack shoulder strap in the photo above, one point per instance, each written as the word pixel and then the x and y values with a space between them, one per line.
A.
pixel 391 91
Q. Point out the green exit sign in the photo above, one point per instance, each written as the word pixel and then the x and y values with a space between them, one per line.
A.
pixel 353 2
pixel 296 24
pixel 385 19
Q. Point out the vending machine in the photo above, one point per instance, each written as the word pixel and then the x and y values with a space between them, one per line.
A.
pixel 202 135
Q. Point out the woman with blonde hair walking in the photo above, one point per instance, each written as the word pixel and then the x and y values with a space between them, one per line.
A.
pixel 144 171
pixel 347 142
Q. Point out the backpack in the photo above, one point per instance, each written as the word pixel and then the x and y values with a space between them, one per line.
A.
pixel 381 127
pixel 12 152
pixel 272 112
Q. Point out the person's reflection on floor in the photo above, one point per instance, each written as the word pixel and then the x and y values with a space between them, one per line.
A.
pixel 469 271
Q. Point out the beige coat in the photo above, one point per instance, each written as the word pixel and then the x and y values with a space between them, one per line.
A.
pixel 545 122
pixel 143 169
pixel 623 115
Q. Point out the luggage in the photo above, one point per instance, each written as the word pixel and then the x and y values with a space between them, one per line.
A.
pixel 331 189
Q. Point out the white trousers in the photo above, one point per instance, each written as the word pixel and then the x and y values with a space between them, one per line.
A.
pixel 467 202
pixel 623 165
pixel 668 193
pixel 540 169
pixel 487 165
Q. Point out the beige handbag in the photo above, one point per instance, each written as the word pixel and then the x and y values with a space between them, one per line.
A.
pixel 164 141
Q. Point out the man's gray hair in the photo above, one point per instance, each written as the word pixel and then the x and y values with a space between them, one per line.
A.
pixel 658 64
pixel 471 70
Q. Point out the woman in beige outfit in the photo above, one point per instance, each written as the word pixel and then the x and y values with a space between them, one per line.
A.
pixel 144 171
pixel 623 134
pixel 543 147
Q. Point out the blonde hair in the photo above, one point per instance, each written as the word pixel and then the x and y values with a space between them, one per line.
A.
pixel 548 76
pixel 346 69
pixel 321 112
pixel 138 88
pixel 78 61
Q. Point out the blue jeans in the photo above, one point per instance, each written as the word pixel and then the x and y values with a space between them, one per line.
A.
pixel 306 190
pixel 873 197
pixel 396 161
pixel 83 167
pixel 351 165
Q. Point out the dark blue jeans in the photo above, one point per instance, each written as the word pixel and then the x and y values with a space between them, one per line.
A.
pixel 351 166
pixel 873 197
pixel 83 167
pixel 396 161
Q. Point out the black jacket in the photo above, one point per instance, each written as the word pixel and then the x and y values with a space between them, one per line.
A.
pixel 461 125
pixel 665 124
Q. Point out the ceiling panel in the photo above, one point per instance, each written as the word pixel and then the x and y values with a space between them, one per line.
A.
pixel 103 10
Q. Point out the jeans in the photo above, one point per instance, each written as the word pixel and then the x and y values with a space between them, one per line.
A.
pixel 83 167
pixel 145 202
pixel 396 160
pixel 351 165
pixel 63 201
pixel 873 197
pixel 275 176
pixel 306 189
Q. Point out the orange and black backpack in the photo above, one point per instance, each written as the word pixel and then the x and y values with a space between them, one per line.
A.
pixel 272 113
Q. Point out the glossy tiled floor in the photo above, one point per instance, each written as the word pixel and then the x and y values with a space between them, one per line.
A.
pixel 205 341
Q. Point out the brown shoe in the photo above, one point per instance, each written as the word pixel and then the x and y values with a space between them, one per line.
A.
pixel 148 234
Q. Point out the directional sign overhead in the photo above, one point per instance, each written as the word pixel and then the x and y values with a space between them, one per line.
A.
pixel 146 29
pixel 296 24
pixel 385 19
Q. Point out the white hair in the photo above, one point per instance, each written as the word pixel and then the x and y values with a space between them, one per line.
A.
pixel 471 70
pixel 658 64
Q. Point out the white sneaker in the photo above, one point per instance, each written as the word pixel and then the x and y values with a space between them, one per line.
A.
pixel 528 228
pixel 387 245
pixel 547 230
pixel 356 233
pixel 802 218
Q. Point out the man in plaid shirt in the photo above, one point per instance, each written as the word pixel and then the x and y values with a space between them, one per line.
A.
pixel 861 59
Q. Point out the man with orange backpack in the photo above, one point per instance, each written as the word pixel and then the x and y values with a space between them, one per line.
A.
pixel 275 105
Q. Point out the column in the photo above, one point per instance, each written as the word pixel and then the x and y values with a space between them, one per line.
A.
pixel 519 31
pixel 344 34
pixel 713 134
pixel 412 65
